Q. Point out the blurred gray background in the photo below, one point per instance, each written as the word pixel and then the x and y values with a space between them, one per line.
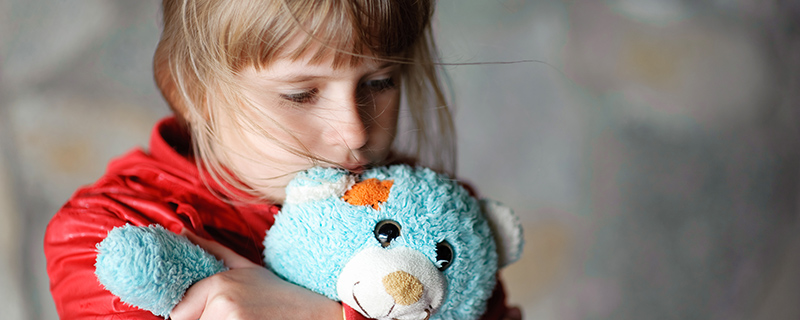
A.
pixel 650 146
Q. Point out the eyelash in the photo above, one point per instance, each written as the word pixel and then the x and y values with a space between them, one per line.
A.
pixel 379 84
pixel 301 97
pixel 309 96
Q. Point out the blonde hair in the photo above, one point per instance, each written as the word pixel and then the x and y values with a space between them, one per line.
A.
pixel 205 43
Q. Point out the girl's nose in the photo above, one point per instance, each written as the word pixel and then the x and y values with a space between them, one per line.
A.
pixel 349 127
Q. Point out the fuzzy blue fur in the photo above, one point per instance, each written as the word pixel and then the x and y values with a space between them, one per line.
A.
pixel 311 242
pixel 151 267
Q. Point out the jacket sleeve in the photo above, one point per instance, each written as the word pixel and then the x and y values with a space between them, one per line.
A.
pixel 70 248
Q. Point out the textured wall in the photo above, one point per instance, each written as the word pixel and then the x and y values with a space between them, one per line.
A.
pixel 651 148
pixel 76 90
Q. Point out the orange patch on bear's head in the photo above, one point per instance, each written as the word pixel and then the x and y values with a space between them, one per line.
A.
pixel 368 192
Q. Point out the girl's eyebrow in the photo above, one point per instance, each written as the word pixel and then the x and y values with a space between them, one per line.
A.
pixel 300 77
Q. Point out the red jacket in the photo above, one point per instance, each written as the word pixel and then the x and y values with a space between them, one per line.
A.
pixel 162 186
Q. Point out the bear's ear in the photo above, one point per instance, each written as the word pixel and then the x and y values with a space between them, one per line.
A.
pixel 507 231
pixel 317 184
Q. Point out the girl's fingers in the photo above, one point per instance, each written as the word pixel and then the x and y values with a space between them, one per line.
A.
pixel 231 259
pixel 193 303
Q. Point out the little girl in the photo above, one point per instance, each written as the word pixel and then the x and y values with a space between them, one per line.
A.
pixel 260 90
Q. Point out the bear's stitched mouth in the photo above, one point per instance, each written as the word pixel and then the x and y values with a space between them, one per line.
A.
pixel 389 313
pixel 358 303
pixel 427 313
pixel 364 310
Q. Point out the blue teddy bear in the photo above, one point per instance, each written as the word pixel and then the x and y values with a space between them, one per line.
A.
pixel 392 243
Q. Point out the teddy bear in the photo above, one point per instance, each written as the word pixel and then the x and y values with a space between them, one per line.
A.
pixel 394 242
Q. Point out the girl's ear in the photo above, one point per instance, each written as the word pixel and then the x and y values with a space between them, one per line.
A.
pixel 317 184
pixel 506 229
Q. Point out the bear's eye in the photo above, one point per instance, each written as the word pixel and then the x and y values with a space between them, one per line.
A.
pixel 386 231
pixel 444 255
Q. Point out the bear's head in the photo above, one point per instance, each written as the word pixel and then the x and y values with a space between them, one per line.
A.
pixel 392 243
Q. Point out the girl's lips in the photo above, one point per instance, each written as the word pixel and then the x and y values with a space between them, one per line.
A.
pixel 357 169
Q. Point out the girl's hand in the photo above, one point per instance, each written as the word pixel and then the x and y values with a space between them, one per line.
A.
pixel 248 291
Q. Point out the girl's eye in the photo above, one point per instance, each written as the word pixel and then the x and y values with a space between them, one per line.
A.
pixel 444 255
pixel 379 84
pixel 301 97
